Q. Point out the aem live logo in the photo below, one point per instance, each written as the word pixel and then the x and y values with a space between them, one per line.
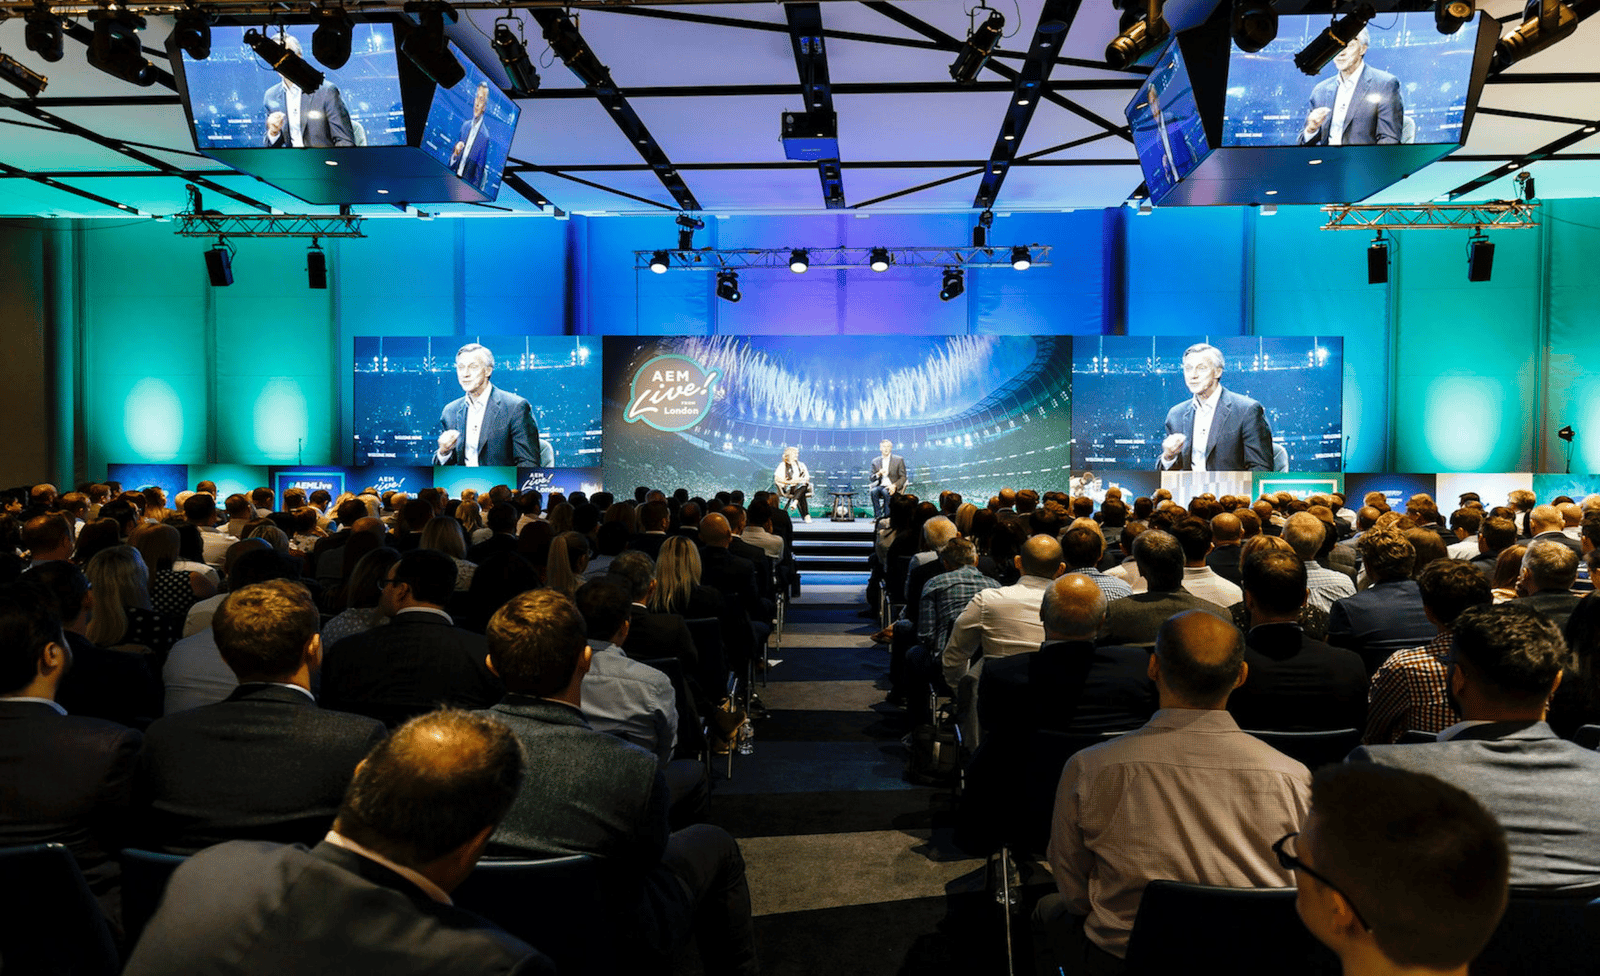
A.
pixel 670 393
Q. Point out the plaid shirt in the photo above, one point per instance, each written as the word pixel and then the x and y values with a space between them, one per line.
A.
pixel 1113 588
pixel 1408 693
pixel 943 599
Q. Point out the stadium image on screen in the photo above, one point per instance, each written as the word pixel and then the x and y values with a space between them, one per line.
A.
pixel 967 413
pixel 1274 404
pixel 544 394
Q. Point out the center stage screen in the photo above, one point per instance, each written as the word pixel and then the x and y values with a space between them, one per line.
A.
pixel 409 389
pixel 968 413
pixel 1280 408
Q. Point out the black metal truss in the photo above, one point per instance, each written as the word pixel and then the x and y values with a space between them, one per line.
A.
pixel 1545 151
pixel 268 225
pixel 811 64
pixel 1055 20
pixel 1499 214
pixel 841 258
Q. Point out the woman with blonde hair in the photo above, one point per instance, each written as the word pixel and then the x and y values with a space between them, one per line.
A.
pixel 122 614
pixel 565 563
pixel 561 518
pixel 443 533
pixel 470 515
pixel 679 591
pixel 172 591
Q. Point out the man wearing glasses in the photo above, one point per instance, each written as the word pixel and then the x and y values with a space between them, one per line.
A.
pixel 487 426
pixel 1187 797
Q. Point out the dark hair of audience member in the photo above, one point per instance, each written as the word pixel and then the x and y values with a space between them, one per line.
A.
pixel 533 541
pixel 1199 676
pixel 1428 547
pixel 613 535
pixel 535 642
pixel 26 626
pixel 258 566
pixel 1387 555
pixel 1513 649
pixel 981 530
pixel 1423 861
pixel 604 605
pixel 363 588
pixel 1450 586
pixel 430 573
pixel 1159 557
pixel 1275 579
pixel 496 580
pixel 432 786
pixel 635 571
pixel 1507 567
pixel 262 630
pixel 1005 545
pixel 63 585
pixel 1082 546
pixel 95 537
pixel 1194 537
pixel 1583 639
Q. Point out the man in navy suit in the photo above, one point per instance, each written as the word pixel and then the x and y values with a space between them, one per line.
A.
pixel 472 147
pixel 487 426
pixel 1361 106
pixel 888 472
pixel 1216 429
pixel 314 120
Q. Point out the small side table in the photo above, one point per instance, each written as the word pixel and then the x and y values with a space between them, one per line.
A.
pixel 844 506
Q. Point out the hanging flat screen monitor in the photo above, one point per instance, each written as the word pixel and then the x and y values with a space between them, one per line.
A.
pixel 1167 129
pixel 469 128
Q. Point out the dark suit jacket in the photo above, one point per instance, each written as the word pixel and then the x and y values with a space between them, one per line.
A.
pixel 733 576
pixel 477 153
pixel 648 543
pixel 1543 790
pixel 1298 684
pixel 1376 114
pixel 1380 620
pixel 1067 686
pixel 1559 537
pixel 411 665
pixel 1136 619
pixel 1224 561
pixel 897 471
pixel 114 685
pixel 765 572
pixel 661 635
pixel 1240 439
pixel 265 764
pixel 1557 605
pixel 509 435
pixel 249 907
pixel 325 120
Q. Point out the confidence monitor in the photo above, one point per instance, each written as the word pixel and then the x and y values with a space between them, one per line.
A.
pixel 1268 133
pixel 376 131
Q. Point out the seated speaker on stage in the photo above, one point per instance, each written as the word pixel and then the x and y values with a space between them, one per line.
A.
pixel 793 479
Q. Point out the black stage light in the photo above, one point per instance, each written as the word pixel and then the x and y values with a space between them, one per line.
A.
pixel 954 284
pixel 219 264
pixel 330 42
pixel 1137 38
pixel 1322 49
pixel 284 61
pixel 563 37
pixel 1525 188
pixel 659 262
pixel 316 266
pixel 1451 15
pixel 1255 24
pixel 115 47
pixel 1544 23
pixel 514 57
pixel 974 54
pixel 687 225
pixel 427 46
pixel 728 286
pixel 879 259
pixel 1021 257
pixel 799 260
pixel 1378 262
pixel 43 33
pixel 1480 258
pixel 1566 433
pixel 24 77
pixel 980 233
pixel 191 33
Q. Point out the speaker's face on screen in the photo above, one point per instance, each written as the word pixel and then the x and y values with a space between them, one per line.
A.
pixel 1347 59
pixel 473 372
pixel 1201 373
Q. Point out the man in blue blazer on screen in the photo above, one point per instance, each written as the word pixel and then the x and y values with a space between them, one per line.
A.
pixel 487 426
pixel 1216 429
pixel 472 147
pixel 1360 106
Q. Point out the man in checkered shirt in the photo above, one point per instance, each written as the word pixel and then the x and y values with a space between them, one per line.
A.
pixel 946 595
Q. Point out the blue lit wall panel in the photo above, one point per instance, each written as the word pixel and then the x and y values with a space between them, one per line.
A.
pixel 1184 271
pixel 515 275
pixel 1067 298
pixel 616 299
pixel 1573 393
pixel 402 278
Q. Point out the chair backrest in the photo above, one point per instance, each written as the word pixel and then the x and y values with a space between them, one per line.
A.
pixel 1314 749
pixel 50 923
pixel 144 880
pixel 558 906
pixel 707 634
pixel 1543 934
pixel 1587 736
pixel 1245 931
pixel 1280 456
pixel 1009 792
pixel 690 736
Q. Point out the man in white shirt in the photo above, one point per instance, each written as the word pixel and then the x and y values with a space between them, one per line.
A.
pixel 487 426
pixel 472 148
pixel 1194 535
pixel 1005 620
pixel 1217 429
pixel 1361 106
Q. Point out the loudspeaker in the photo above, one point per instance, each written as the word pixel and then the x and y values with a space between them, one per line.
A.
pixel 1378 264
pixel 1480 260
pixel 219 265
pixel 317 269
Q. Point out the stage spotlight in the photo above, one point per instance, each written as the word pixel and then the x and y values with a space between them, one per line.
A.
pixel 980 233
pixel 43 33
pixel 1322 49
pixel 115 47
pixel 574 52
pixel 514 57
pixel 1378 261
pixel 427 46
pixel 191 33
pixel 1137 38
pixel 1021 257
pixel 284 61
pixel 974 54
pixel 954 284
pixel 659 261
pixel 316 266
pixel 330 42
pixel 1566 433
pixel 1255 24
pixel 1525 188
pixel 1450 15
pixel 1480 258
pixel 24 77
pixel 1543 25
pixel 799 260
pixel 687 225
pixel 219 264
pixel 728 286
pixel 879 259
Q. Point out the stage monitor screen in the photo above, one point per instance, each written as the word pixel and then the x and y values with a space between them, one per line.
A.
pixel 1411 84
pixel 236 100
pixel 1274 403
pixel 470 128
pixel 966 413
pixel 1168 132
pixel 542 408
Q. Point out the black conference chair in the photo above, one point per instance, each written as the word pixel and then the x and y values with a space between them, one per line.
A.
pixel 144 881
pixel 1587 736
pixel 693 741
pixel 50 923
pixel 1314 749
pixel 1544 933
pixel 1244 931
pixel 557 905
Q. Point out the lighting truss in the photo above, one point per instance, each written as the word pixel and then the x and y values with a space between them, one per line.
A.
pixel 1501 214
pixel 841 258
pixel 268 225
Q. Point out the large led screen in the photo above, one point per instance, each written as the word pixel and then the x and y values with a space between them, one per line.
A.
pixel 540 400
pixel 967 413
pixel 1168 132
pixel 1274 403
pixel 470 127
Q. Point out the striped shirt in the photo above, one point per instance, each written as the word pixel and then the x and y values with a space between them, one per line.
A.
pixel 943 599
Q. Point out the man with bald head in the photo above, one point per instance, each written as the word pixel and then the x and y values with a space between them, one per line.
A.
pixel 1188 797
pixel 1546 524
pixel 1227 538
pixel 1005 620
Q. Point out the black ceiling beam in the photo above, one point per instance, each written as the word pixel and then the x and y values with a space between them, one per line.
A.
pixel 839 88
pixel 608 189
pixel 1545 78
pixel 811 64
pixel 1531 116
pixel 1032 159
pixel 1055 19
pixel 55 184
pixel 533 196
pixel 586 66
pixel 1543 152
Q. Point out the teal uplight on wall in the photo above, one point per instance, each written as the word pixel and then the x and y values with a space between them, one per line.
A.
pixel 1462 417
pixel 1586 439
pixel 152 418
pixel 280 419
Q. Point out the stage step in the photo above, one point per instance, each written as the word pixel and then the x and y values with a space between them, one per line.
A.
pixel 841 547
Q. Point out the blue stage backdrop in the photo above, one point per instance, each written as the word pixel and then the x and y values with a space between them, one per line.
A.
pixel 1396 490
pixel 1124 386
pixel 402 383
pixel 968 413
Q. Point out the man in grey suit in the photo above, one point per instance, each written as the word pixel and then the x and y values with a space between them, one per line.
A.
pixel 888 473
pixel 1216 429
pixel 1508 660
pixel 314 120
pixel 1137 619
pixel 373 896
pixel 487 426
pixel 1361 106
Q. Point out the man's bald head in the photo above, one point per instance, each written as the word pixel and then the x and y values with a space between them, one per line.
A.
pixel 1226 529
pixel 714 531
pixel 368 524
pixel 1545 518
pixel 1041 556
pixel 1073 609
pixel 1199 660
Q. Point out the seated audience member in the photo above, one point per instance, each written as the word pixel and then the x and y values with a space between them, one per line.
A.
pixel 1548 571
pixel 1507 570
pixel 64 779
pixel 1546 524
pixel 659 634
pixel 194 673
pixel 1544 790
pixel 1005 620
pixel 761 600
pixel 102 683
pixel 1495 535
pixel 1306 534
pixel 1082 547
pixel 1227 537
pixel 1410 691
pixel 267 763
pixel 1313 621
pixel 1576 702
pixel 1465 524
pixel 653 519
pixel 444 534
pixel 1387 616
pixel 1397 872
pixel 173 590
pixel 596 794
pixel 374 895
pixel 1194 535
pixel 416 662
pixel 362 593
pixel 679 590
pixel 94 538
pixel 1428 546
pixel 630 700
pixel 1296 683
pixel 123 614
pixel 1188 797
pixel 1136 619
pixel 501 525
pixel 47 538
